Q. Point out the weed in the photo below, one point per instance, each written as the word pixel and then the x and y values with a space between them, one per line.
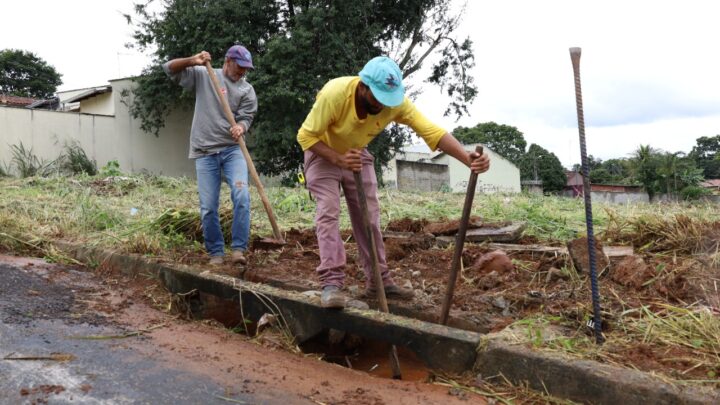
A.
pixel 111 169
pixel 28 164
pixel 75 161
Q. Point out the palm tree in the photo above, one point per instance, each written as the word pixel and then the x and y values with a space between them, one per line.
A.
pixel 645 166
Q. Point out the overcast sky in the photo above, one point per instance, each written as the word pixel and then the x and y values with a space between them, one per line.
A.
pixel 650 69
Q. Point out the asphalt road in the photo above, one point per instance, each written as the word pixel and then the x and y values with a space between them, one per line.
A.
pixel 40 317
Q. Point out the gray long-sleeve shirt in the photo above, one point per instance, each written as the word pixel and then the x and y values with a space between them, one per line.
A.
pixel 210 132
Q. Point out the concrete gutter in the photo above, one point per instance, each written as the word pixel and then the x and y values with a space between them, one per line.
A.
pixel 229 299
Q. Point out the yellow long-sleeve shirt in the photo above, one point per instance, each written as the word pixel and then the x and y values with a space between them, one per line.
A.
pixel 334 121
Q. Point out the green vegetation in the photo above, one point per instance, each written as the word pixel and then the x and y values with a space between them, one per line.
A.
pixel 506 140
pixel 158 215
pixel 298 47
pixel 24 74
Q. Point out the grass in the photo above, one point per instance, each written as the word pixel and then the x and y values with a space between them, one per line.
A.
pixel 148 214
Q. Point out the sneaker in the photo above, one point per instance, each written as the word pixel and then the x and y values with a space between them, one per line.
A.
pixel 216 261
pixel 391 291
pixel 238 258
pixel 332 298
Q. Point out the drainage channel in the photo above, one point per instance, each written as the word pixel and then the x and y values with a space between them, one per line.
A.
pixel 331 345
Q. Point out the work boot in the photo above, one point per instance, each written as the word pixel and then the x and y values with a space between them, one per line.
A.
pixel 391 291
pixel 216 261
pixel 332 297
pixel 238 258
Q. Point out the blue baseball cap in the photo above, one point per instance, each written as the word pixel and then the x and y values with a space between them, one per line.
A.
pixel 241 56
pixel 384 78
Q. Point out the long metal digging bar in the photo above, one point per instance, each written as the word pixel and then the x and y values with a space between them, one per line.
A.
pixel 459 243
pixel 379 286
pixel 597 321
pixel 251 167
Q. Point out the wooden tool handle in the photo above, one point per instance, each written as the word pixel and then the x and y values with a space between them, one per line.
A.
pixel 379 286
pixel 459 243
pixel 251 167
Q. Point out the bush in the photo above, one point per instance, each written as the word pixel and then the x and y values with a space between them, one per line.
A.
pixel 111 169
pixel 75 161
pixel 693 192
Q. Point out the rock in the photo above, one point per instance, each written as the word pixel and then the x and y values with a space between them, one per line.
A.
pixel 500 302
pixel 495 261
pixel 488 281
pixel 357 304
pixel 578 249
pixel 555 274
pixel 632 272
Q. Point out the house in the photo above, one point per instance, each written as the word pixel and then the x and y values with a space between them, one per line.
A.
pixel 94 100
pixel 614 193
pixel 98 118
pixel 712 185
pixel 418 168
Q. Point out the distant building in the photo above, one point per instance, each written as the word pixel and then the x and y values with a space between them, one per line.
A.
pixel 712 185
pixel 532 186
pixel 418 168
pixel 613 193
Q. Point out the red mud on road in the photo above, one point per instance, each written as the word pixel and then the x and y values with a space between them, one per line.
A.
pixel 259 366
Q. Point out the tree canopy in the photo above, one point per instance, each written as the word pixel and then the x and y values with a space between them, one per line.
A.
pixel 24 74
pixel 706 154
pixel 541 164
pixel 297 47
pixel 506 140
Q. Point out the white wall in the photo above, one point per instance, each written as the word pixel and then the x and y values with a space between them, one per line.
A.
pixel 103 138
pixel 503 176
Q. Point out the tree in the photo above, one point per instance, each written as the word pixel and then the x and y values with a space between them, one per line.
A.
pixel 541 164
pixel 706 154
pixel 645 166
pixel 506 140
pixel 23 74
pixel 298 46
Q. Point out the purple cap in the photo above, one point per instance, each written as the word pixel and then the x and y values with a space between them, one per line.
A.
pixel 240 55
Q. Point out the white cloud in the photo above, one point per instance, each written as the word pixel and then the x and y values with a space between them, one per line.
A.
pixel 649 73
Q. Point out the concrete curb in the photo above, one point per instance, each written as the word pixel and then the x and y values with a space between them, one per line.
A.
pixel 440 347
pixel 584 380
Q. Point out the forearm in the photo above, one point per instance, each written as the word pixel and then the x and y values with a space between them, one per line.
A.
pixel 326 152
pixel 180 64
pixel 450 145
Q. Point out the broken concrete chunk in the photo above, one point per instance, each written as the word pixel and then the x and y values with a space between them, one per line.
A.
pixel 578 249
pixel 510 232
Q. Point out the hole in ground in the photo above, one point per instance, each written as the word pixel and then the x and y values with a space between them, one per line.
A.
pixel 369 356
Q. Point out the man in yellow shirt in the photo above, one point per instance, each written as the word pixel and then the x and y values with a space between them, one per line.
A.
pixel 348 113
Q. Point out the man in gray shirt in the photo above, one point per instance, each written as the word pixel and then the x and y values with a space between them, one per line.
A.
pixel 213 144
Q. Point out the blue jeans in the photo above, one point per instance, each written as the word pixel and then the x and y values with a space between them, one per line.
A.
pixel 231 163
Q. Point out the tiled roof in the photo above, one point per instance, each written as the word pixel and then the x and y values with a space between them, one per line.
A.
pixel 711 183
pixel 16 101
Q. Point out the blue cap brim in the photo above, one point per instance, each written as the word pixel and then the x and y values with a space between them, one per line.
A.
pixel 389 98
